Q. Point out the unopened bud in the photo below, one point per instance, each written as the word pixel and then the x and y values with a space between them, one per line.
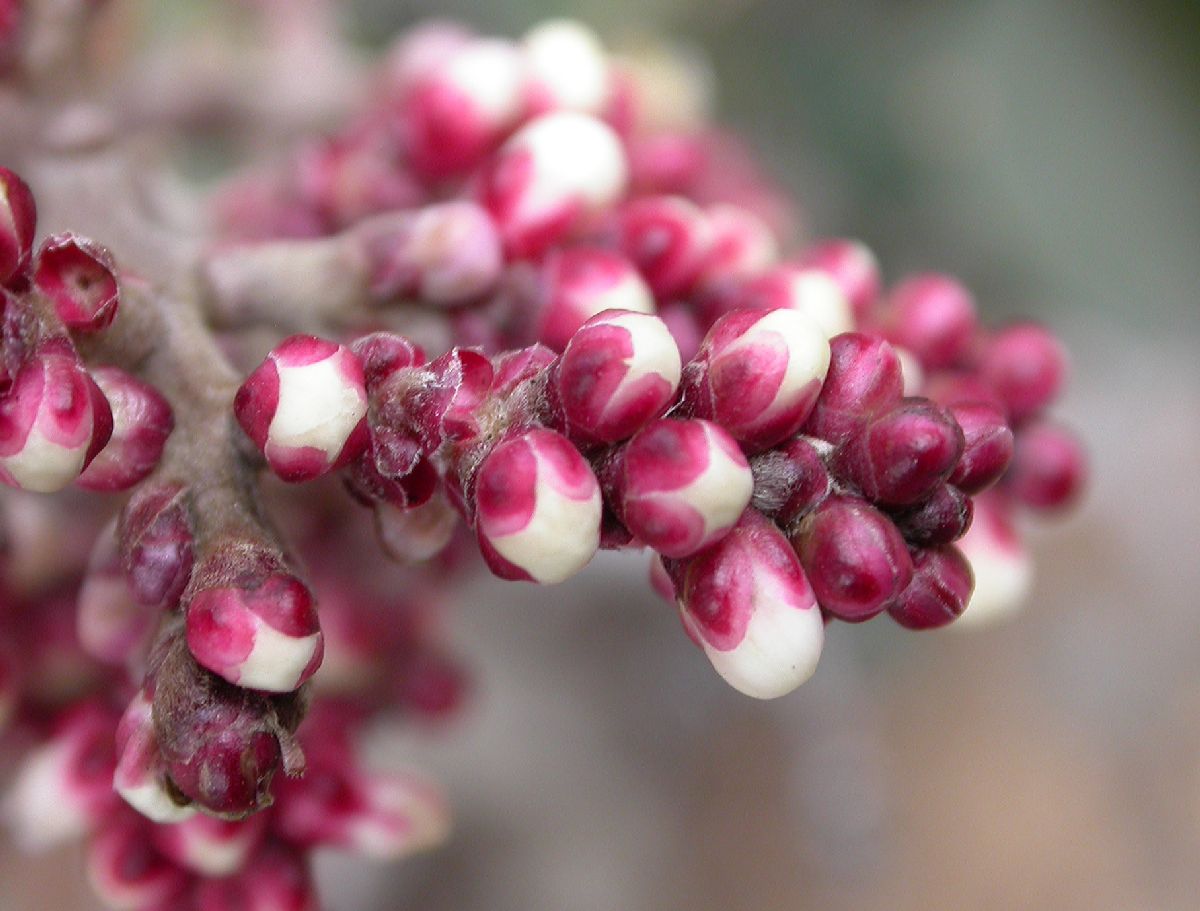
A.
pixel 863 380
pixel 932 316
pixel 854 269
pixel 1026 366
pixel 142 421
pixel 939 590
pixel 987 446
pixel 566 68
pixel 157 547
pixel 668 238
pixel 579 282
pixel 810 291
pixel 18 220
pixel 1049 467
pixel 999 560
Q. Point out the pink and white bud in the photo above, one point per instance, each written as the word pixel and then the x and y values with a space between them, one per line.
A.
pixel 741 246
pixel 854 556
pixel 746 603
pixel 419 51
pixel 853 268
pixel 418 533
pixel 863 380
pixel 1000 562
pixel 668 238
pixel 680 486
pixel 64 787
pixel 537 513
pixel 1049 468
pixel 445 254
pixel 157 546
pixel 618 373
pixel 110 624
pixel 53 421
pixel 554 175
pixel 456 112
pixel 140 777
pixel 579 282
pixel 18 221
pixel 356 175
pixel 142 421
pixel 126 871
pixel 1026 366
pixel 939 590
pixel 791 480
pixel 566 68
pixel 276 878
pixel 987 446
pixel 304 407
pixel 260 631
pixel 79 278
pixel 758 374
pixel 810 291
pixel 932 316
pixel 211 847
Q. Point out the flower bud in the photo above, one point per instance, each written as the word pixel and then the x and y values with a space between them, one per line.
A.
pixel 855 558
pixel 578 283
pixel 901 456
pixel 157 547
pixel 944 517
pixel 758 374
pixel 790 481
pixel 565 68
pixel 141 775
pixel 553 175
pixel 618 372
pixel 999 560
pixel 110 624
pixel 741 246
pixel 863 380
pixel 987 446
pixel 809 291
pixel 1026 366
pixel 53 421
pixel 668 238
pixel 538 508
pixel 444 405
pixel 853 268
pixel 746 603
pixel 127 873
pixel 939 590
pixel 394 470
pixel 78 276
pixel 933 316
pixel 142 421
pixel 417 533
pixel 210 847
pixel 1049 467
pixel 679 486
pixel 276 878
pixel 303 407
pixel 18 221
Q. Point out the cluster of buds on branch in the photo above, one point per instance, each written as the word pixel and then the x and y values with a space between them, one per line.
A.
pixel 532 308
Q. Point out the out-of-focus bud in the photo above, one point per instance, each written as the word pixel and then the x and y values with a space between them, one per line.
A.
pixel 210 847
pixel 901 456
pixel 854 556
pixel 356 175
pixel 157 547
pixel 276 878
pixel 256 626
pixel 863 380
pixel 618 372
pixel 578 283
pixel 53 421
pixel 565 68
pixel 685 326
pixel 1000 562
pixel 415 534
pixel 668 238
pixel 110 624
pixel 791 480
pixel 942 518
pixel 987 446
pixel 141 775
pixel 64 787
pixel 550 178
pixel 854 269
pixel 142 421
pixel 537 513
pixel 445 254
pixel 18 213
pixel 747 604
pixel 758 374
pixel 79 278
pixel 679 486
pixel 304 406
pixel 810 291
pixel 939 590
pixel 126 871
pixel 1049 467
pixel 741 246
pixel 456 111
pixel 419 51
pixel 932 316
pixel 1026 366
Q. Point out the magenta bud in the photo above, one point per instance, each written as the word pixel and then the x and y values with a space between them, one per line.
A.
pixel 619 372
pixel 276 878
pixel 854 556
pixel 943 518
pixel 939 591
pixel 382 354
pixel 746 602
pixel 79 278
pixel 854 269
pixel 1026 366
pixel 210 847
pixel 355 175
pixel 142 421
pixel 53 421
pixel 904 454
pixel 111 626
pixel 157 548
pixel 537 508
pixel 741 245
pixel 304 407
pixel 679 486
pixel 1049 467
pixel 579 282
pixel 863 380
pixel 127 872
pixel 18 216
pixel 790 481
pixel 555 174
pixel 668 238
pixel 758 374
pixel 987 446
pixel 933 316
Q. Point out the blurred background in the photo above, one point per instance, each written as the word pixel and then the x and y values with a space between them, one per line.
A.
pixel 1048 154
